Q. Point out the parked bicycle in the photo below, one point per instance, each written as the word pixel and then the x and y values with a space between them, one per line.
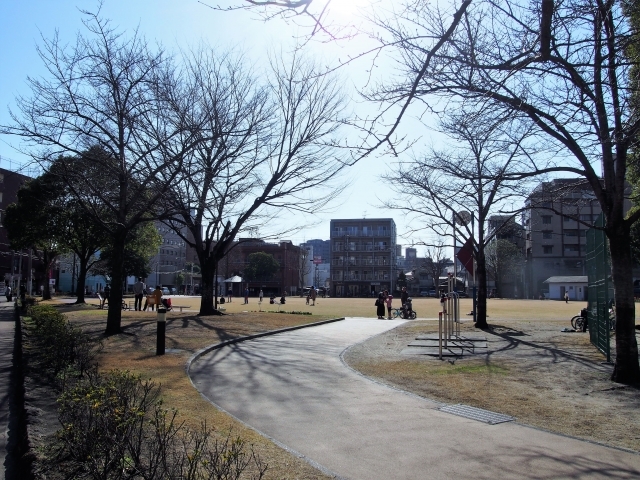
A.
pixel 579 322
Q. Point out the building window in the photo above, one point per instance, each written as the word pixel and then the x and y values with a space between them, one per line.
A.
pixel 547 250
pixel 571 233
pixel 571 248
pixel 546 219
pixel 567 219
pixel 547 234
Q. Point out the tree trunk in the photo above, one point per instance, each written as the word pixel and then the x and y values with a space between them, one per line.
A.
pixel 626 368
pixel 207 289
pixel 82 280
pixel 481 276
pixel 47 259
pixel 114 315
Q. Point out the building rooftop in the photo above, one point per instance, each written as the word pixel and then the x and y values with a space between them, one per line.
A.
pixel 568 279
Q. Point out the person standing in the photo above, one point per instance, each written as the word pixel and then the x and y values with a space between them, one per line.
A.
pixel 7 293
pixel 443 303
pixel 389 300
pixel 566 297
pixel 260 295
pixel 138 292
pixel 380 306
pixel 246 296
pixel 403 296
pixel 105 295
pixel 229 294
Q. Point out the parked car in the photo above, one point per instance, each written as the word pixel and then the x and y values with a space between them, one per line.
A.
pixel 424 293
pixel 165 291
pixel 433 292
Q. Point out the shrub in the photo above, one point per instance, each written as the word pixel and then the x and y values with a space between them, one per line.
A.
pixel 58 348
pixel 114 426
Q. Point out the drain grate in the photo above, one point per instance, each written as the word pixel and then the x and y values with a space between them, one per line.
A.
pixel 479 414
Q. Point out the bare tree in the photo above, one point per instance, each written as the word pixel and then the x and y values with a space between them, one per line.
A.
pixel 504 259
pixel 305 264
pixel 261 149
pixel 435 261
pixel 472 175
pixel 572 85
pixel 103 101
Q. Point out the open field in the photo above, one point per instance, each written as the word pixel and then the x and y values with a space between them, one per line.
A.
pixel 543 377
pixel 364 307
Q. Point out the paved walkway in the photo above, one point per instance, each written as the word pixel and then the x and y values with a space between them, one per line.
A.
pixel 294 388
pixel 7 327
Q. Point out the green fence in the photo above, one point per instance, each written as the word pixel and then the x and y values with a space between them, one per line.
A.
pixel 598 271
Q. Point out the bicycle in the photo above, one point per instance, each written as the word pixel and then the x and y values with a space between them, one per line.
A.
pixel 399 313
pixel 577 322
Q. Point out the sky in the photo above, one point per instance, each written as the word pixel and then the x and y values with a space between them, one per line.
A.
pixel 180 24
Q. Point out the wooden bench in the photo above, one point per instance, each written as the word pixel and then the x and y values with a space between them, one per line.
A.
pixel 180 307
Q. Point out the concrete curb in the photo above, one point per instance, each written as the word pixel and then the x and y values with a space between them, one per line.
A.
pixel 210 348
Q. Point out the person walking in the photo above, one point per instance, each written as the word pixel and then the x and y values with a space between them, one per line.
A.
pixel 246 296
pixel 138 292
pixel 443 303
pixel 260 296
pixel 7 293
pixel 380 306
pixel 229 294
pixel 313 294
pixel 566 297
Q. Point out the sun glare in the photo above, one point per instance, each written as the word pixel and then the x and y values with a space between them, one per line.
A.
pixel 346 8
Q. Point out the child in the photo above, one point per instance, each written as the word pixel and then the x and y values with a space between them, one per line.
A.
pixel 388 301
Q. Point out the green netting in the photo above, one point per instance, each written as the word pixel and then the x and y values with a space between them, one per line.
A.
pixel 598 269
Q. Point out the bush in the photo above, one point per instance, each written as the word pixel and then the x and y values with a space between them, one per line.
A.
pixel 58 348
pixel 114 426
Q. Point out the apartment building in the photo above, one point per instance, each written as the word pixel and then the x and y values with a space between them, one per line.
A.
pixel 15 264
pixel 363 256
pixel 556 219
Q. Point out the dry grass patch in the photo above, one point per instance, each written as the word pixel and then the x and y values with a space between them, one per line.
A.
pixel 552 380
pixel 134 350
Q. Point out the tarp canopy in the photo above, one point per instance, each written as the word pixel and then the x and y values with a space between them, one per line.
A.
pixel 234 279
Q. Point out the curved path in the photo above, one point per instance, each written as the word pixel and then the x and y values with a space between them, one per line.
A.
pixel 294 388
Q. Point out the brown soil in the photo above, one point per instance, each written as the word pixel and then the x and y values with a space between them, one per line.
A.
pixel 544 377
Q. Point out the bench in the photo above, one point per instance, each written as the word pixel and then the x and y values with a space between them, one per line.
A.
pixel 180 307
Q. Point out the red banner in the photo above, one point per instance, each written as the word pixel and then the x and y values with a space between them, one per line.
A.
pixel 465 255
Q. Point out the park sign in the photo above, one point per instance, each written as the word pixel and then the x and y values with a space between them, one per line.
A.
pixel 317 259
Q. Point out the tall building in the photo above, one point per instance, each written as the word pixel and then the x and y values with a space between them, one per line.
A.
pixel 363 256
pixel 556 219
pixel 170 259
pixel 319 262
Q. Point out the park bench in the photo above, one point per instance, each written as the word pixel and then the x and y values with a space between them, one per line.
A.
pixel 180 307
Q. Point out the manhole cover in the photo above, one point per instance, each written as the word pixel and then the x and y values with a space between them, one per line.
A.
pixel 477 414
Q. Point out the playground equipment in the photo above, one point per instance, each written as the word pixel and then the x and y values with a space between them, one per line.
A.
pixel 449 318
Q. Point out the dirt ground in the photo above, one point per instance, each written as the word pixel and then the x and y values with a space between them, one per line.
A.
pixel 543 377
pixel 532 371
